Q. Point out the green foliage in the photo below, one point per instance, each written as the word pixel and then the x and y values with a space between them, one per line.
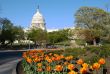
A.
pixel 92 59
pixel 90 54
pixel 27 67
pixel 58 36
pixel 64 43
pixel 102 51
pixel 93 22
pixel 9 32
pixel 80 41
pixel 37 35
pixel 56 52
pixel 74 51
pixel 93 49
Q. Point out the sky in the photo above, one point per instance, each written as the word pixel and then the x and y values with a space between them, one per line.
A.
pixel 58 14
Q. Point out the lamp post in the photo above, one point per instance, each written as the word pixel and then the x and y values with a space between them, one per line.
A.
pixel 29 43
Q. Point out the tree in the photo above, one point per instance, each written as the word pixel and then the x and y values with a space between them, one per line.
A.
pixel 58 36
pixel 107 27
pixel 92 21
pixel 18 33
pixel 38 36
pixel 9 33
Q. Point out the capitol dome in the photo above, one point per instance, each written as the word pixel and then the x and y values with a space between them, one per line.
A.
pixel 38 21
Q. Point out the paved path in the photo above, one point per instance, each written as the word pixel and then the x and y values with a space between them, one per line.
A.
pixel 9 61
pixel 10 58
pixel 9 67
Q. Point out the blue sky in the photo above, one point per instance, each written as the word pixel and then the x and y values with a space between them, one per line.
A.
pixel 57 13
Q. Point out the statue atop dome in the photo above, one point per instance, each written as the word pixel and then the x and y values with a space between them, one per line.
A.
pixel 38 20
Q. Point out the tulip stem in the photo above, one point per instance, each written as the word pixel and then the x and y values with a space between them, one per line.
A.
pixel 97 72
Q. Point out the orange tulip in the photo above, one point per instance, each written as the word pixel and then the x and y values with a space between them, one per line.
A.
pixel 96 66
pixel 29 60
pixel 47 57
pixel 57 58
pixel 80 61
pixel 101 61
pixel 39 69
pixel 69 58
pixel 49 60
pixel 65 63
pixel 72 72
pixel 71 66
pixel 24 55
pixel 33 56
pixel 83 70
pixel 85 65
pixel 39 64
pixel 59 68
pixel 61 56
pixel 53 58
pixel 48 68
pixel 36 59
pixel 55 55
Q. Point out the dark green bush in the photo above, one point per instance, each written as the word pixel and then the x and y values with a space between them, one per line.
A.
pixel 56 52
pixel 92 59
pixel 104 51
pixel 80 42
pixel 93 48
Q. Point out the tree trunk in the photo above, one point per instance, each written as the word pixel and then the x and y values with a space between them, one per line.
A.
pixel 35 44
pixel 94 42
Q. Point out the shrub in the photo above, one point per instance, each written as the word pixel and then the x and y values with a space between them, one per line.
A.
pixel 74 51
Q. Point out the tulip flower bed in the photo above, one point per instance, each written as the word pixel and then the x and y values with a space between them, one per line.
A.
pixel 40 62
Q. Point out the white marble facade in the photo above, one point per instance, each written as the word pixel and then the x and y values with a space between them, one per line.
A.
pixel 38 21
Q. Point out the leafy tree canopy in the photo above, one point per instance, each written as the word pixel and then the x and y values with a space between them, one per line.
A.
pixel 58 36
pixel 93 21
pixel 9 32
pixel 37 35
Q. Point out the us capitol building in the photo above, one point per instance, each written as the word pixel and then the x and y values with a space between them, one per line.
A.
pixel 38 21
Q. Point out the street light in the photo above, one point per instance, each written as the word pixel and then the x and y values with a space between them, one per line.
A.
pixel 29 43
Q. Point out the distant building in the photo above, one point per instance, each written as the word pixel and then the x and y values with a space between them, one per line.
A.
pixel 38 21
pixel 51 30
